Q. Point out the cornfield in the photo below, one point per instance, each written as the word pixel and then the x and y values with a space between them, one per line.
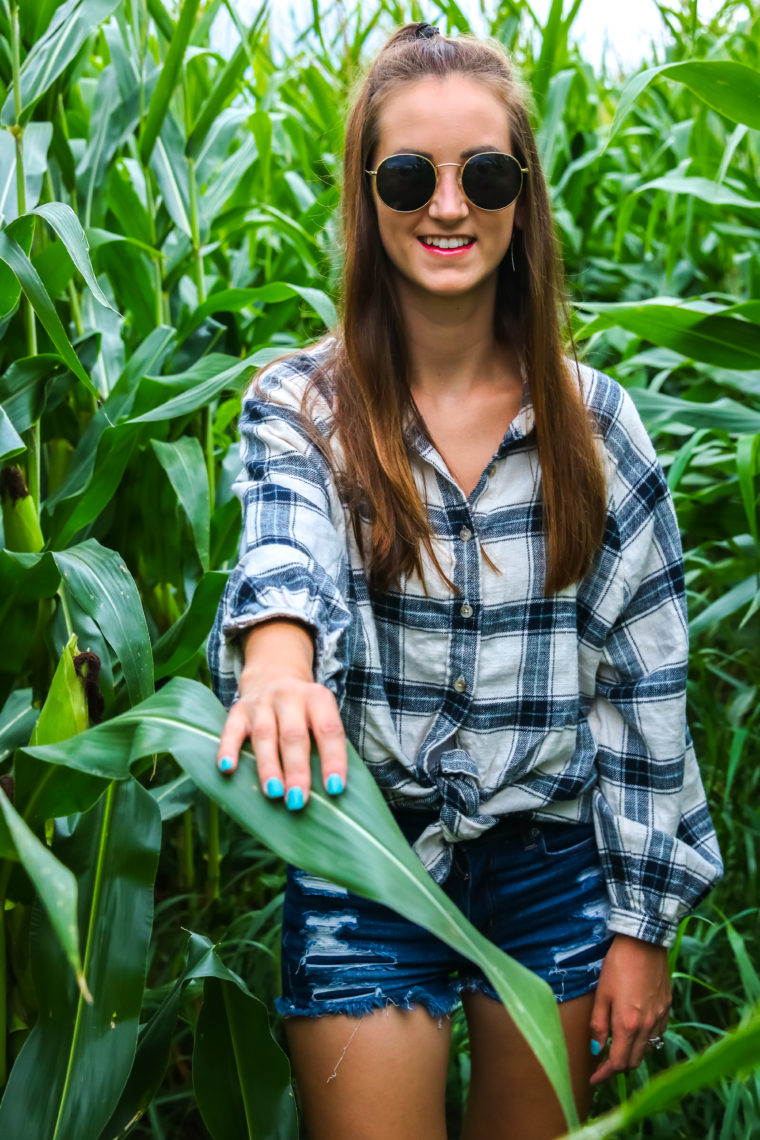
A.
pixel 167 225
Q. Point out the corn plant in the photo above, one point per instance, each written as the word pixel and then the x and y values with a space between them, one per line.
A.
pixel 168 224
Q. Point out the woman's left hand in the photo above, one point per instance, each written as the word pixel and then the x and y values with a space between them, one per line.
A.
pixel 632 1003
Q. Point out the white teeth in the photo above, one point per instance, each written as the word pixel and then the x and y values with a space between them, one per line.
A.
pixel 447 243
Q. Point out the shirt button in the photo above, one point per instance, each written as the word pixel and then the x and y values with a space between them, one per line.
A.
pixel 466 610
pixel 465 534
pixel 460 684
pixel 491 471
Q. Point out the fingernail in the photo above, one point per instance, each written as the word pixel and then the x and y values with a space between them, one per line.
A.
pixel 226 764
pixel 595 1048
pixel 274 788
pixel 295 799
pixel 334 784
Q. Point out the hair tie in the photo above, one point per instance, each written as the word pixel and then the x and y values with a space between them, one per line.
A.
pixel 425 31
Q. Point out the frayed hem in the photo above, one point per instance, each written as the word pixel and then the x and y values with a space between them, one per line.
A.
pixel 481 986
pixel 477 985
pixel 571 994
pixel 437 1007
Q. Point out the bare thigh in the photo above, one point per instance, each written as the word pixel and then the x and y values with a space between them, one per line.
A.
pixel 510 1095
pixel 377 1077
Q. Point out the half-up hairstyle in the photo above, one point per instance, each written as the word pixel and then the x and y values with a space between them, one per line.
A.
pixel 369 370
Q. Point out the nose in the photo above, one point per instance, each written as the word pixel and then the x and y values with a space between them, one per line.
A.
pixel 448 202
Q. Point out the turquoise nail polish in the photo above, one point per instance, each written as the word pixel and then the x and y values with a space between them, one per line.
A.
pixel 334 784
pixel 226 764
pixel 274 788
pixel 295 799
pixel 596 1048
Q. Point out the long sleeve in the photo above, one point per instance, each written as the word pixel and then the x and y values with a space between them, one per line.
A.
pixel 657 842
pixel 293 560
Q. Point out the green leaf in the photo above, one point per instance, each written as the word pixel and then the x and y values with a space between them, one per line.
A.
pixel 102 586
pixel 747 972
pixel 113 120
pixel 170 69
pixel 233 379
pixel 64 713
pixel 733 600
pixel 731 88
pixel 715 338
pixel 353 841
pixel 25 579
pixel 233 300
pixel 27 576
pixel 14 257
pixel 225 84
pixel 161 17
pixel 747 456
pixel 180 643
pixel 43 791
pixel 185 464
pixel 237 1099
pixel 170 168
pixel 55 885
pixel 226 182
pixel 714 193
pixel 17 720
pixel 69 1075
pixel 36 143
pixel 736 1054
pixel 66 224
pixel 175 797
pixel 22 387
pixel 100 237
pixel 115 449
pixel 155 1040
pixel 10 288
pixel 21 522
pixel 8 197
pixel 659 411
pixel 72 25
pixel 11 442
pixel 320 303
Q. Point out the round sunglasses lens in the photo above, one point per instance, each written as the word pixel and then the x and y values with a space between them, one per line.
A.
pixel 492 181
pixel 405 181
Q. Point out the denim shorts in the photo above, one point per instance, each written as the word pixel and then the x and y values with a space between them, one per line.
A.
pixel 534 888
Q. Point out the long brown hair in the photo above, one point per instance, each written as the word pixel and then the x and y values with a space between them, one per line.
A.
pixel 369 368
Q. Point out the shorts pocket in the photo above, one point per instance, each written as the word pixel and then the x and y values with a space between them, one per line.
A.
pixel 567 838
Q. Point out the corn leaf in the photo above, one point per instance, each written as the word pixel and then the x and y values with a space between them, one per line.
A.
pixel 353 841
pixel 71 26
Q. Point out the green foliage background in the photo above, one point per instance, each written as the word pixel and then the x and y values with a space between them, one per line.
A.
pixel 167 224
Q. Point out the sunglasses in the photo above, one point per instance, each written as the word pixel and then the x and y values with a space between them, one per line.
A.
pixel 407 182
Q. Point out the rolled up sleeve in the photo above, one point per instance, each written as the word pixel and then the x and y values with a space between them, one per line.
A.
pixel 293 559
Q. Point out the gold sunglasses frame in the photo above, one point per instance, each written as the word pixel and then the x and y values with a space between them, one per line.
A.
pixel 436 167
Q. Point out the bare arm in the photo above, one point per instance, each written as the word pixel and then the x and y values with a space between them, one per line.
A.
pixel 279 705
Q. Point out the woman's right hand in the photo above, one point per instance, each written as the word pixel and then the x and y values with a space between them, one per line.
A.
pixel 279 705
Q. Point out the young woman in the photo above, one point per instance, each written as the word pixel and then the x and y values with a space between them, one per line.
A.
pixel 460 551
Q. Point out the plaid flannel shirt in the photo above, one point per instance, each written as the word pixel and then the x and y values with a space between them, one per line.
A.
pixel 495 699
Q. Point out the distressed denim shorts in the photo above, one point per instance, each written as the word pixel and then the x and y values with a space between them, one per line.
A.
pixel 532 887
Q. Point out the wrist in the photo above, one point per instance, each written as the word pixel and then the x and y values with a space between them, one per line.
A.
pixel 630 941
pixel 256 675
pixel 275 650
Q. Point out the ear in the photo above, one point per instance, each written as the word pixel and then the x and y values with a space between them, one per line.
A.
pixel 519 218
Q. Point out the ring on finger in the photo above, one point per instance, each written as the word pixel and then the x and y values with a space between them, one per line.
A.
pixel 656 1042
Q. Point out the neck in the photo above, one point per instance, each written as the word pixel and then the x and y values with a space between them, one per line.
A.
pixel 451 342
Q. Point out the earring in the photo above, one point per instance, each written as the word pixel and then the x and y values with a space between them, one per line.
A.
pixel 512 253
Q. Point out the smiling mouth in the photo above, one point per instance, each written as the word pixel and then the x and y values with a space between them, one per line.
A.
pixel 447 243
